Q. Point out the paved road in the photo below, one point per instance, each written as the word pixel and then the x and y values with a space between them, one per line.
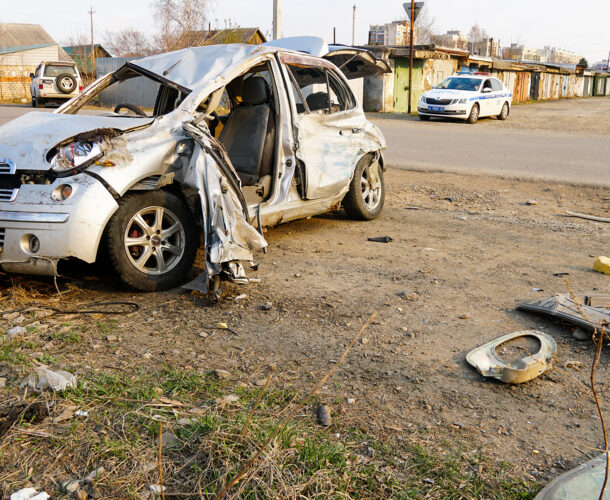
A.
pixel 485 147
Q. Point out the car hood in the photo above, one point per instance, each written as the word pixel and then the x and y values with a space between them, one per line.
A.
pixel 448 93
pixel 27 139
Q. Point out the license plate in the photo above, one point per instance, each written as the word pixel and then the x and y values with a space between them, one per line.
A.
pixel 437 108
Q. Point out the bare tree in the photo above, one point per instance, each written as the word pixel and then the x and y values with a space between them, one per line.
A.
pixel 128 42
pixel 477 34
pixel 181 23
pixel 424 26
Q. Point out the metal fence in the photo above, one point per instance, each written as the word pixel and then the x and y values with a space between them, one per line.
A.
pixel 140 91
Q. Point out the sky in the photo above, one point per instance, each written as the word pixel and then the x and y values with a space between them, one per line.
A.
pixel 582 26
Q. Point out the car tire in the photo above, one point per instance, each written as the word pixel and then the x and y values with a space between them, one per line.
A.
pixel 65 83
pixel 504 113
pixel 424 118
pixel 161 261
pixel 33 102
pixel 474 114
pixel 366 195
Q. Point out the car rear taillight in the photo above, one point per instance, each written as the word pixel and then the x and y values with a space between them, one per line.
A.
pixel 80 87
pixel 40 86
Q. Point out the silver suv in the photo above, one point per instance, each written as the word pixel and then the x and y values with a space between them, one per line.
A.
pixel 54 81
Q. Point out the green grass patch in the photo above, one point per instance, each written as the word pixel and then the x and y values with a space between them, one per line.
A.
pixel 128 410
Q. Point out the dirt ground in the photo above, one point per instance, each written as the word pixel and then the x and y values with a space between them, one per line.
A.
pixel 465 250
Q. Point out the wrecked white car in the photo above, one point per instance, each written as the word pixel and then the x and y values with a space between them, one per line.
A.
pixel 241 137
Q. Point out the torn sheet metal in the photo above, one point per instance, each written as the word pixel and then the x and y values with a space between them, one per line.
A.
pixel 581 483
pixel 595 307
pixel 486 360
pixel 228 236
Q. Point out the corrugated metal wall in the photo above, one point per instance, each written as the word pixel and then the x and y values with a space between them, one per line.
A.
pixel 140 91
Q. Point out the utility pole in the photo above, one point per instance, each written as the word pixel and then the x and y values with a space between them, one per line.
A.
pixel 277 19
pixel 412 16
pixel 413 10
pixel 93 61
pixel 354 28
pixel 335 35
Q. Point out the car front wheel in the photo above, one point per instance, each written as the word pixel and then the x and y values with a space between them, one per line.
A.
pixel 474 114
pixel 366 195
pixel 152 240
pixel 504 113
pixel 424 118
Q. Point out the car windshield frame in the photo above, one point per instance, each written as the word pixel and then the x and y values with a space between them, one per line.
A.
pixel 464 84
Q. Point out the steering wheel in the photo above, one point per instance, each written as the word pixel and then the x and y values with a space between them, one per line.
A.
pixel 131 107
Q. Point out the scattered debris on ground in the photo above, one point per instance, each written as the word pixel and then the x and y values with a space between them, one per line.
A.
pixel 533 359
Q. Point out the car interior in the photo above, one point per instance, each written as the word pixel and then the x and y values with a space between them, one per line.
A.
pixel 244 121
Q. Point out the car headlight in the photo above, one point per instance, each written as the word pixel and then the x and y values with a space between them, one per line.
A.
pixel 75 156
pixel 462 101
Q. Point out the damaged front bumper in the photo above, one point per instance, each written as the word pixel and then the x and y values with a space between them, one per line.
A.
pixel 37 228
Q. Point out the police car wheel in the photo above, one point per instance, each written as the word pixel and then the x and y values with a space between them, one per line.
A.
pixel 504 114
pixel 474 114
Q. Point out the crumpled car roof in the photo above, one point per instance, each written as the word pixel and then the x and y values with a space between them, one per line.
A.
pixel 197 66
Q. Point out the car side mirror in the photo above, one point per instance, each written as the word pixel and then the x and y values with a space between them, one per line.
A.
pixel 32 76
pixel 486 90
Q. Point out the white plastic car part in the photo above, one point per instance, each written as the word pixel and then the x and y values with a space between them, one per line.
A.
pixel 486 360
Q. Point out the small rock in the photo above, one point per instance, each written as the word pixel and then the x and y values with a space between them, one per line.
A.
pixel 147 355
pixel 169 440
pixel 323 414
pixel 260 382
pixel 350 401
pixel 10 316
pixel 2 382
pixel 231 398
pixel 224 326
pixel 204 335
pixel 18 330
pixel 427 481
pixel 370 452
pixel 571 363
pixel 364 341
pixel 72 486
pixel 464 316
pixel 267 306
pixel 112 338
pixel 297 275
pixel 157 488
pixel 531 202
pixel 580 334
pixel 222 373
pixel 409 297
pixel 240 297
pixel 82 495
pixel 158 391
pixel 187 421
pixel 535 452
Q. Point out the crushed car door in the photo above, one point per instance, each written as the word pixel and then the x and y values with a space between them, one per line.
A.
pixel 330 127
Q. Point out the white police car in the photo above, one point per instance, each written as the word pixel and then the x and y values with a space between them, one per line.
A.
pixel 468 96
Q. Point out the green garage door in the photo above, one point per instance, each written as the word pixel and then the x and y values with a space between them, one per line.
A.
pixel 401 84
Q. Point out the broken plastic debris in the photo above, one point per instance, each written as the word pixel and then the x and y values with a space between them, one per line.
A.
pixel 42 378
pixel 601 265
pixel 29 494
pixel 581 483
pixel 381 239
pixel 81 413
pixel 157 488
pixel 595 307
pixel 486 360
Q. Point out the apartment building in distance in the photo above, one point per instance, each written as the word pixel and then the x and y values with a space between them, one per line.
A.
pixel 391 34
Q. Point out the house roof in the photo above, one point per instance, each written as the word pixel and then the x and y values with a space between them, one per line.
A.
pixel 82 55
pixel 15 37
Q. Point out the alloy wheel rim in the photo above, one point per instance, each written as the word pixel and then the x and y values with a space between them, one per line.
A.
pixel 154 240
pixel 370 184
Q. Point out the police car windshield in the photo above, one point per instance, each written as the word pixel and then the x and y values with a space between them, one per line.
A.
pixel 470 84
